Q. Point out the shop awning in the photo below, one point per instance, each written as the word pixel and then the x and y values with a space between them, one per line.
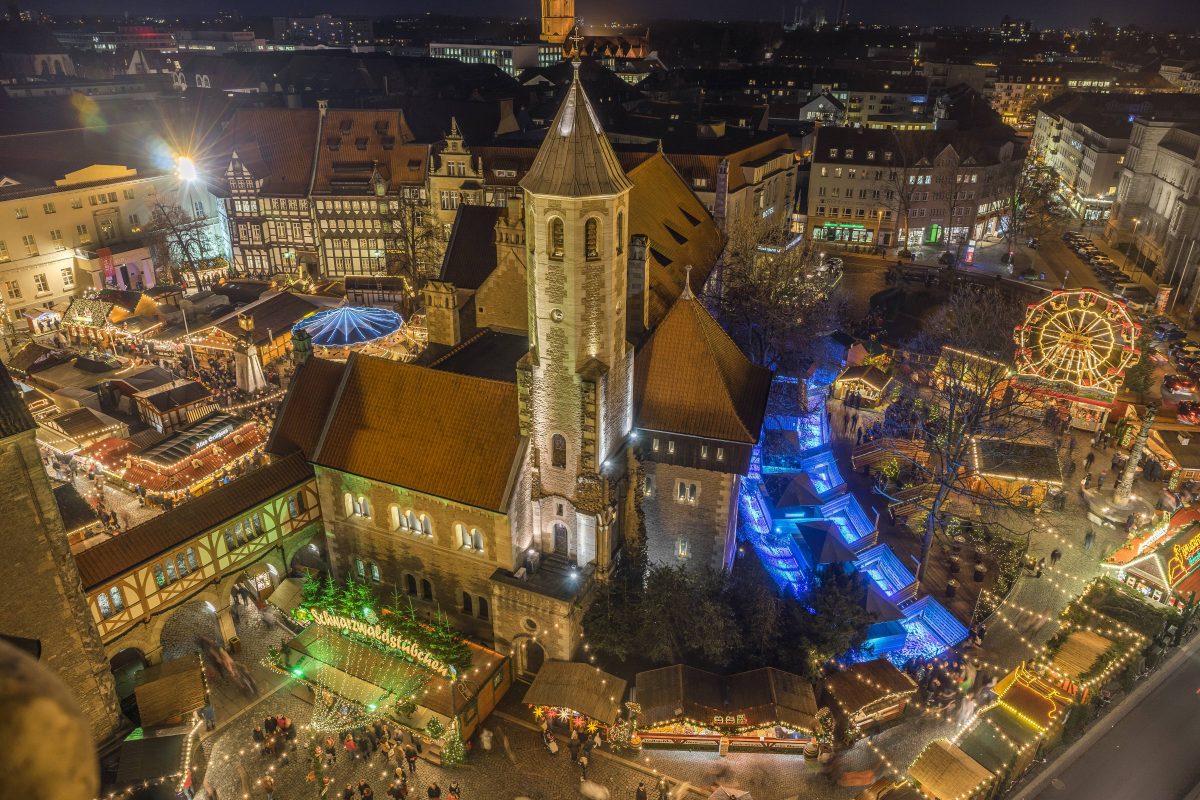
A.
pixel 287 595
pixel 579 687
pixel 170 690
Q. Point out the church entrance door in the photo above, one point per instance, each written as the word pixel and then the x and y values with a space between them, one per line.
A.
pixel 561 545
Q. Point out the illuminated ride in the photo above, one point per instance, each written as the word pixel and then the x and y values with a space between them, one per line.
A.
pixel 336 332
pixel 1073 349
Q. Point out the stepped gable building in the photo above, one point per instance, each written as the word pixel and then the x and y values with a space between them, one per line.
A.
pixel 46 603
pixel 495 481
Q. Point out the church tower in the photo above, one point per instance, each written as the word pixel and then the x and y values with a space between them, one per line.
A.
pixel 44 598
pixel 578 373
pixel 558 18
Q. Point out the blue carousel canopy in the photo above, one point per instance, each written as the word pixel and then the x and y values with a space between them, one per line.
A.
pixel 347 326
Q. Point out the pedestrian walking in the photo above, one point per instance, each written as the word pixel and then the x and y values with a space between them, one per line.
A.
pixel 854 420
pixel 1087 461
pixel 1089 540
pixel 640 794
pixel 434 791
pixel 573 746
pixel 268 784
pixel 1041 565
pixel 1055 555
pixel 349 744
pixel 1087 480
pixel 348 792
pixel 583 765
pixel 1100 480
pixel 664 789
pixel 454 791
pixel 410 755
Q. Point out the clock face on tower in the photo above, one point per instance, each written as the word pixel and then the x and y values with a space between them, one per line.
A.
pixel 556 315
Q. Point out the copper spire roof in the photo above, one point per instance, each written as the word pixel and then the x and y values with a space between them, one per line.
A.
pixel 575 159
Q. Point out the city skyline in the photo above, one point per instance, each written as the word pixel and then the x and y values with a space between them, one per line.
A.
pixel 1154 14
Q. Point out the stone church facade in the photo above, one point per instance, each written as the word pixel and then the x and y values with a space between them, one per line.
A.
pixel 494 481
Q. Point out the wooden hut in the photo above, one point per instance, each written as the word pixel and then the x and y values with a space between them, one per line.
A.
pixel 944 772
pixel 871 692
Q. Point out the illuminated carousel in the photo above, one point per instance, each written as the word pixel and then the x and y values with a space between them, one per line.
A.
pixel 336 332
pixel 1072 352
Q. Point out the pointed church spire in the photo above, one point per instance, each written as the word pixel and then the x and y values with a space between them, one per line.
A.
pixel 454 128
pixel 576 159
pixel 686 294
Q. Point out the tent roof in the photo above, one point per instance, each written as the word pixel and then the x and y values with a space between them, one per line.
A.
pixel 581 687
pixel 347 326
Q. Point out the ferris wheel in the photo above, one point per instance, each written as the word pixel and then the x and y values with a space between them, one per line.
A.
pixel 1080 337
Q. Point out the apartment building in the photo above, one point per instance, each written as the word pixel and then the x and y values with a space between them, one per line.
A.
pixel 73 218
pixel 511 57
pixel 1084 143
pixel 907 188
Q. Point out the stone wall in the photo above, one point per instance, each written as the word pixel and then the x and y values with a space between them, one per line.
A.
pixel 705 526
pixel 400 553
pixel 503 299
pixel 45 599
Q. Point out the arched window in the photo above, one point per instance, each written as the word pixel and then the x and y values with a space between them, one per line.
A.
pixel 426 590
pixel 558 450
pixel 466 606
pixel 105 608
pixel 426 525
pixel 364 506
pixel 375 576
pixel 477 540
pixel 360 569
pixel 556 238
pixel 410 584
pixel 620 232
pixel 348 503
pixel 461 536
pixel 484 613
pixel 118 601
pixel 395 518
pixel 591 238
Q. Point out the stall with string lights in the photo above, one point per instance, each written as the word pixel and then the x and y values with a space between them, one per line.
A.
pixel 944 772
pixel 761 709
pixel 578 697
pixel 364 664
pixel 870 692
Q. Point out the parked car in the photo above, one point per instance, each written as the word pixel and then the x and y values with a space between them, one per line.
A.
pixel 1188 412
pixel 1168 332
pixel 1179 384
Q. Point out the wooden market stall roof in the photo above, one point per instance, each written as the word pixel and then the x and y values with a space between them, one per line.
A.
pixel 170 689
pixel 859 685
pixel 765 696
pixel 579 687
pixel 874 377
pixel 944 772
pixel 1079 653
pixel 1000 458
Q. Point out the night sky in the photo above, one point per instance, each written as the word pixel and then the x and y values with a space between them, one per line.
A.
pixel 1181 14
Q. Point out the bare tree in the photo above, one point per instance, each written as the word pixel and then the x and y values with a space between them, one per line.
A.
pixel 416 244
pixel 775 301
pixel 1029 190
pixel 179 242
pixel 971 401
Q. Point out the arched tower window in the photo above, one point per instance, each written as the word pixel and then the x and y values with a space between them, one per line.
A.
pixel 558 450
pixel 620 232
pixel 591 238
pixel 556 238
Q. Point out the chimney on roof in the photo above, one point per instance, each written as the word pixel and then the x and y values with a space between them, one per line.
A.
pixel 637 319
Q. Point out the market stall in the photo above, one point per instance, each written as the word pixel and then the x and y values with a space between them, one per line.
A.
pixel 760 709
pixel 1020 473
pixel 365 668
pixel 1161 560
pixel 576 696
pixel 870 692
pixel 168 693
pixel 866 382
pixel 944 772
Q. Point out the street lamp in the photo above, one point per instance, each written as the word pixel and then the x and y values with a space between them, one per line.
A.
pixel 185 169
pixel 1133 241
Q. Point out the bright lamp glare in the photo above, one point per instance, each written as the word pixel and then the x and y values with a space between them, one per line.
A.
pixel 185 168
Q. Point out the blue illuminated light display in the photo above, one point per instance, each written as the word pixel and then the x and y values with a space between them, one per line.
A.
pixel 349 326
